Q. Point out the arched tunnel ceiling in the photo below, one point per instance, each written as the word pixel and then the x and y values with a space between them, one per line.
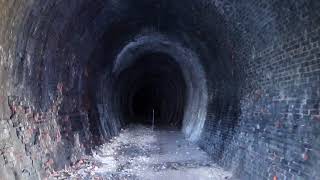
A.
pixel 74 28
pixel 191 68
pixel 251 70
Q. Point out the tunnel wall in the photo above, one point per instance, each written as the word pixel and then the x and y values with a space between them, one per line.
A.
pixel 279 126
pixel 277 132
pixel 44 96
pixel 260 59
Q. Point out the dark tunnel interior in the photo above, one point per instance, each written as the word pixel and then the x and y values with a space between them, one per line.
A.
pixel 238 79
pixel 153 83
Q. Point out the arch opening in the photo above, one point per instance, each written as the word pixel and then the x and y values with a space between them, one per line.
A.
pixel 153 87
pixel 155 72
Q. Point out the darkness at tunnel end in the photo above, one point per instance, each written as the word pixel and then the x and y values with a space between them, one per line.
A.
pixel 154 83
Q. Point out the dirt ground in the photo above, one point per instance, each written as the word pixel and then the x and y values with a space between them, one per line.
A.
pixel 142 154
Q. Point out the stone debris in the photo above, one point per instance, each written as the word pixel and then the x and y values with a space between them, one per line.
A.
pixel 140 153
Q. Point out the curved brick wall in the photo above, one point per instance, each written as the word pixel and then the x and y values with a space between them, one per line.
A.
pixel 248 73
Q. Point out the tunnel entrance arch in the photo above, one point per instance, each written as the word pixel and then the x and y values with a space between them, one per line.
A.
pixel 153 90
pixel 196 97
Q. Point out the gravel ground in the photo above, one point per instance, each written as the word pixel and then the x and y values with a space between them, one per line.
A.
pixel 140 153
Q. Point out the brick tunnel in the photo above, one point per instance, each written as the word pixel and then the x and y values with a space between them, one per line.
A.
pixel 240 80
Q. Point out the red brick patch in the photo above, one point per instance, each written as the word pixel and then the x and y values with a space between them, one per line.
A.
pixel 60 87
pixel 316 118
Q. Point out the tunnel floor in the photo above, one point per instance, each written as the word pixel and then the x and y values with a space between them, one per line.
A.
pixel 141 153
